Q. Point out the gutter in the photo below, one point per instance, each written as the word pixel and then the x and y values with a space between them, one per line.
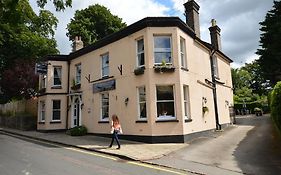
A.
pixel 218 126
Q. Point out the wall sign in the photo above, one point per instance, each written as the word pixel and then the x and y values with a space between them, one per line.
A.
pixel 104 86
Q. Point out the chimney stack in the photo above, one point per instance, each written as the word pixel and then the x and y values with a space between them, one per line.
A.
pixel 192 16
pixel 215 35
pixel 77 44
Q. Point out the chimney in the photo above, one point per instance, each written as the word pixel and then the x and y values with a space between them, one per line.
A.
pixel 215 35
pixel 192 16
pixel 77 44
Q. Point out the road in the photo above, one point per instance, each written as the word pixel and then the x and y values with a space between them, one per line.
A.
pixel 20 156
pixel 260 151
pixel 252 146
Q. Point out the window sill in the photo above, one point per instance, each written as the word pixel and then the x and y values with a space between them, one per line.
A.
pixel 188 120
pixel 56 87
pixel 185 69
pixel 41 123
pixel 141 121
pixel 54 122
pixel 167 120
pixel 103 122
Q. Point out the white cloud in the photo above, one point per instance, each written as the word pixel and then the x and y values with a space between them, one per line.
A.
pixel 130 12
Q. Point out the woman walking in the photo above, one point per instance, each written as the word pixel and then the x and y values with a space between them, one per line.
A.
pixel 115 130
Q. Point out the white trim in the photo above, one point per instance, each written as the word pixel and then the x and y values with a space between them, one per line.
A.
pixel 142 102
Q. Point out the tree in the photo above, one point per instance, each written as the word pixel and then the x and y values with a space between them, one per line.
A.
pixel 24 36
pixel 93 23
pixel 59 4
pixel 258 83
pixel 19 81
pixel 270 42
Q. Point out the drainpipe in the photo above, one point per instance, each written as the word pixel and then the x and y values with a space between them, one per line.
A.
pixel 218 126
pixel 67 99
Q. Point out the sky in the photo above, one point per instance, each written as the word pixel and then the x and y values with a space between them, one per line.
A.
pixel 238 20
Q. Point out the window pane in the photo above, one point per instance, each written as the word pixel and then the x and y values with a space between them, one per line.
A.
pixel 159 56
pixel 78 74
pixel 165 109
pixel 162 42
pixel 56 115
pixel 105 105
pixel 140 46
pixel 165 93
pixel 142 94
pixel 140 59
pixel 142 110
pixel 56 104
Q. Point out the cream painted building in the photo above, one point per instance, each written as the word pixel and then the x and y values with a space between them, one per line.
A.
pixel 157 75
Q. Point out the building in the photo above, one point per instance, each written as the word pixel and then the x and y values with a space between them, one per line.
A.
pixel 157 75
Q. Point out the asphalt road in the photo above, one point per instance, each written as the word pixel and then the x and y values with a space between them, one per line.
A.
pixel 251 147
pixel 260 152
pixel 19 156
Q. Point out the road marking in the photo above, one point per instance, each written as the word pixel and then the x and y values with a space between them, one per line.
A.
pixel 103 156
pixel 155 167
pixel 91 153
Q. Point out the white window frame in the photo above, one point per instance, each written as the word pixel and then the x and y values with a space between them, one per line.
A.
pixel 103 106
pixel 166 117
pixel 186 102
pixel 104 67
pixel 163 50
pixel 139 53
pixel 215 66
pixel 78 74
pixel 42 111
pixel 59 76
pixel 183 53
pixel 141 102
pixel 54 110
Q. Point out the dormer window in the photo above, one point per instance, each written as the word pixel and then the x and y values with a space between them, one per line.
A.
pixel 162 50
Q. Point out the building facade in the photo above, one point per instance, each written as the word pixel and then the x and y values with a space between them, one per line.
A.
pixel 157 75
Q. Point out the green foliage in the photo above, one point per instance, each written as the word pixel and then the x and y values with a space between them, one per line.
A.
pixel 24 36
pixel 59 4
pixel 275 104
pixel 93 23
pixel 77 131
pixel 270 42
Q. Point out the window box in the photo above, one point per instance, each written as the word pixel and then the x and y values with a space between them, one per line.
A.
pixel 76 87
pixel 139 70
pixel 162 69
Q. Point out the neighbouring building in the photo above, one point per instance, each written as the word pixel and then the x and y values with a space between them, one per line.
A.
pixel 157 75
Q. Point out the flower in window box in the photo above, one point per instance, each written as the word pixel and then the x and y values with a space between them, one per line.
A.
pixel 139 70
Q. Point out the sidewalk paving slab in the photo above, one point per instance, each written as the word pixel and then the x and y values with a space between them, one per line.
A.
pixel 129 149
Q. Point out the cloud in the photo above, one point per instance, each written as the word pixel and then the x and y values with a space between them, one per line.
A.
pixel 238 20
pixel 130 12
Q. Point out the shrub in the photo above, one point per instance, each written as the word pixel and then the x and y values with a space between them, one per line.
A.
pixel 77 131
pixel 275 104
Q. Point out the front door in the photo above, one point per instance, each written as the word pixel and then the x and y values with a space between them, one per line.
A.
pixel 76 112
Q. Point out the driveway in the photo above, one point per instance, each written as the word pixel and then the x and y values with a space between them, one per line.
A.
pixel 252 146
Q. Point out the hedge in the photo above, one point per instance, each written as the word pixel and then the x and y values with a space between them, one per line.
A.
pixel 275 104
pixel 77 131
pixel 251 106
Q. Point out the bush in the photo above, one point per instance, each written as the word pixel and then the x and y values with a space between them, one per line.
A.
pixel 275 104
pixel 77 131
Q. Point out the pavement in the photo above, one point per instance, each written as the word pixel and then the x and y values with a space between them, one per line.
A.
pixel 212 155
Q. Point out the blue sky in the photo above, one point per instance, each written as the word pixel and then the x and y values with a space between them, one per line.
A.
pixel 238 20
